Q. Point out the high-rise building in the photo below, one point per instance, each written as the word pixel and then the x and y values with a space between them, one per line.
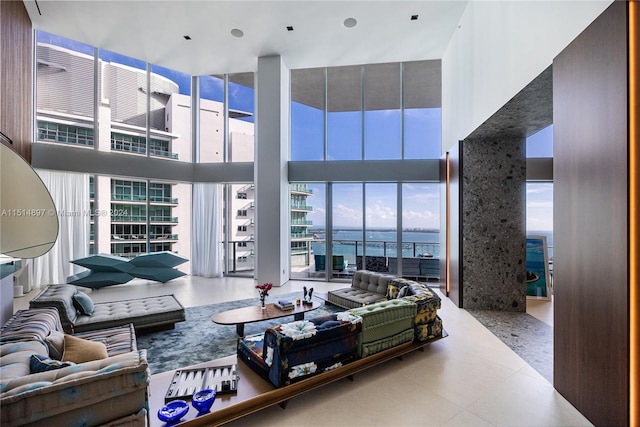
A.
pixel 134 216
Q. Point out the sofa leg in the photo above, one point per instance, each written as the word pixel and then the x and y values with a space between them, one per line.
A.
pixel 399 358
pixel 283 404
pixel 350 378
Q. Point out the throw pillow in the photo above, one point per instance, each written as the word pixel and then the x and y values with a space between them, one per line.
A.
pixel 83 303
pixel 39 363
pixel 55 342
pixel 392 292
pixel 79 350
pixel 406 290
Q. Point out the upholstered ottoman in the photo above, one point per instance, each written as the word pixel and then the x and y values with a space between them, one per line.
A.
pixel 427 324
pixel 145 313
pixel 294 351
pixel 385 324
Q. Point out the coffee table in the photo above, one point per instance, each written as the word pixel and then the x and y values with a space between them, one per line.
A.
pixel 255 313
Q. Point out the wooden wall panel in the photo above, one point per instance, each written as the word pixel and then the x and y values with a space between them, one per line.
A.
pixel 16 75
pixel 634 207
pixel 591 258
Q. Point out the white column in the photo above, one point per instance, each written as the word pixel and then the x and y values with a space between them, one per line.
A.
pixel 270 175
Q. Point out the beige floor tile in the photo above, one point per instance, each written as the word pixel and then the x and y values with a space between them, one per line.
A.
pixel 456 376
pixel 467 419
pixel 525 401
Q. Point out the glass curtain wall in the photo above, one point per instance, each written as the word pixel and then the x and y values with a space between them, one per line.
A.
pixel 371 112
pixel 212 122
pixel 308 224
pixel 422 110
pixel 344 113
pixel 308 114
pixel 539 203
pixel 240 253
pixel 382 115
pixel 140 109
pixel 347 232
pixel 381 233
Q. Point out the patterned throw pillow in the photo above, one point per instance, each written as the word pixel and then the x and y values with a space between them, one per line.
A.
pixel 39 363
pixel 406 290
pixel 392 292
pixel 83 303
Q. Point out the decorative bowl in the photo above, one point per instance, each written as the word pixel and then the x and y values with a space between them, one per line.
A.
pixel 173 411
pixel 203 399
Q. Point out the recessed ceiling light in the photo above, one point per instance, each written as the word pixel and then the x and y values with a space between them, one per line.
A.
pixel 236 32
pixel 350 22
pixel 289 28
pixel 414 17
pixel 187 37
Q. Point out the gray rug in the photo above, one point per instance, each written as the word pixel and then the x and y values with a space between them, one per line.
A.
pixel 198 339
pixel 528 337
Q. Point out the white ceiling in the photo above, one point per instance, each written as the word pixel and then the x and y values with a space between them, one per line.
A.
pixel 153 30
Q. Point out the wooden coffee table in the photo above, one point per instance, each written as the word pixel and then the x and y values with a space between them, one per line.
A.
pixel 255 313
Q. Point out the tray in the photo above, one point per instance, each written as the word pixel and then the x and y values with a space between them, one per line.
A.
pixel 185 382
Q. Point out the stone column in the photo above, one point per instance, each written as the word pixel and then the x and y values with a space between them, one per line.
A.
pixel 493 244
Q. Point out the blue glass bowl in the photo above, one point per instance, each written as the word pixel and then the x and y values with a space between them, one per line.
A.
pixel 173 411
pixel 203 399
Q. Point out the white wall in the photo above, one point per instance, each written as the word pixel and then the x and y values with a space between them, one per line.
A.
pixel 498 48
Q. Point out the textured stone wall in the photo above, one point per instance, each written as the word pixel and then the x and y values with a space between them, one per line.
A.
pixel 493 224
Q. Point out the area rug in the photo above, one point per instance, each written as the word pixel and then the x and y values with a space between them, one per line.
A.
pixel 528 337
pixel 198 339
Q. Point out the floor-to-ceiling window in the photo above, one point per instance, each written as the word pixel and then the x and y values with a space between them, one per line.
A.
pixel 359 114
pixel 105 101
pixel 539 203
pixel 347 232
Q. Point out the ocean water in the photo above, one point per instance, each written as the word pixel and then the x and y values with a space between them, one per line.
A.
pixel 383 243
pixel 379 243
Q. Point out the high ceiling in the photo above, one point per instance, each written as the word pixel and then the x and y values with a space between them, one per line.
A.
pixel 154 31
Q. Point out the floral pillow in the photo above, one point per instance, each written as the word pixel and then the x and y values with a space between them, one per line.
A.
pixel 299 330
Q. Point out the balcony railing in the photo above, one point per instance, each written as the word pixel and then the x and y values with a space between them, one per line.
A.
pixel 129 197
pixel 162 218
pixel 301 207
pixel 301 188
pixel 143 198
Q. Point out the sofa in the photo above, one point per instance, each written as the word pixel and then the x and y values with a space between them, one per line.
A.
pixel 79 313
pixel 287 353
pixel 368 287
pixel 290 352
pixel 385 324
pixel 107 386
pixel 427 324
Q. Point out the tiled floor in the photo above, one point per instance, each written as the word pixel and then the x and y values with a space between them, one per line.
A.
pixel 469 378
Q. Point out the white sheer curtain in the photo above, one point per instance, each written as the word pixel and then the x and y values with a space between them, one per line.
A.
pixel 70 194
pixel 207 235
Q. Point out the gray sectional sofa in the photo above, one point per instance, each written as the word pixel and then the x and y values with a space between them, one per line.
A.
pixel 107 391
pixel 152 313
